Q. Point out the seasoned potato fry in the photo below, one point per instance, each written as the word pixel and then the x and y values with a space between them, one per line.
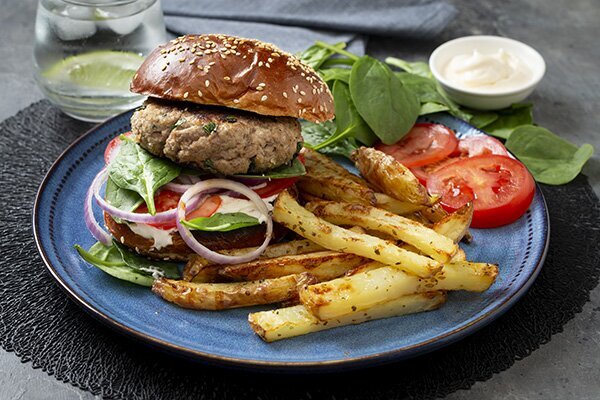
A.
pixel 429 242
pixel 198 269
pixel 221 296
pixel 321 165
pixel 434 213
pixel 295 321
pixel 455 225
pixel 289 213
pixel 360 292
pixel 389 176
pixel 323 265
pixel 334 188
pixel 396 206
pixel 369 266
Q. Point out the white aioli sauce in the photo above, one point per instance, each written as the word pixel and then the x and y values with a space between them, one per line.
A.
pixel 497 72
pixel 162 238
pixel 232 205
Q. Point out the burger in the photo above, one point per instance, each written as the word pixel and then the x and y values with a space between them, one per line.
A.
pixel 216 141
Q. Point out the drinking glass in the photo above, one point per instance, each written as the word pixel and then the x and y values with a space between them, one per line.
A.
pixel 87 51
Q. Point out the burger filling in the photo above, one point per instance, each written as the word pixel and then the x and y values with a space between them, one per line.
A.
pixel 216 139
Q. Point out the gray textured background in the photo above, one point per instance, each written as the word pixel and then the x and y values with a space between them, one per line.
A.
pixel 567 102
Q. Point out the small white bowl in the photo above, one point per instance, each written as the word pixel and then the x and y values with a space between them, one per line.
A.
pixel 479 99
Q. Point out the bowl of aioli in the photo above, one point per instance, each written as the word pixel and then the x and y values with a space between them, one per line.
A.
pixel 487 72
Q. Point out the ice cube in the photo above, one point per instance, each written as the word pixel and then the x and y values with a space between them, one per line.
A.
pixel 75 23
pixel 121 26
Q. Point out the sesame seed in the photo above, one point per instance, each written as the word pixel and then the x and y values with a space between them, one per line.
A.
pixel 262 84
pixel 185 95
pixel 236 101
pixel 285 95
pixel 199 93
pixel 206 83
pixel 211 63
pixel 275 54
pixel 164 67
pixel 226 78
pixel 263 98
pixel 270 59
pixel 268 65
pixel 259 88
pixel 260 63
pixel 303 93
pixel 299 100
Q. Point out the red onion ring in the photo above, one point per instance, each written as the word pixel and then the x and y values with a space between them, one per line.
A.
pixel 142 218
pixel 90 221
pixel 203 251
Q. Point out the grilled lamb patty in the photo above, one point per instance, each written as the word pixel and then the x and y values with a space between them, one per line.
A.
pixel 217 139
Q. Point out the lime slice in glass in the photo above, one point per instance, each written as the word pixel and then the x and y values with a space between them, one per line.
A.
pixel 111 70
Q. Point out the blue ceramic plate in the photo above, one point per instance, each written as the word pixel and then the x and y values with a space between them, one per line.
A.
pixel 225 336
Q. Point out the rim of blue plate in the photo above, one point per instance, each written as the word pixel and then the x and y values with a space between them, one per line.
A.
pixel 399 354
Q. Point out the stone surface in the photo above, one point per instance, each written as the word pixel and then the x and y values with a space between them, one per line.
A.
pixel 566 102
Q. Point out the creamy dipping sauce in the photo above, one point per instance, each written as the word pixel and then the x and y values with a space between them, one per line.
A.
pixel 490 73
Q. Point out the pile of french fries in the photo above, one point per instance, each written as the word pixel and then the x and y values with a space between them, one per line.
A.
pixel 367 249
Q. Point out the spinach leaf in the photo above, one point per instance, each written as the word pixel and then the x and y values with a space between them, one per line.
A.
pixel 120 263
pixel 550 159
pixel 133 168
pixel 332 74
pixel 416 68
pixel 314 134
pixel 481 119
pixel 123 199
pixel 316 55
pixel 295 168
pixel 347 120
pixel 430 108
pixel 219 222
pixel 109 260
pixel 382 101
pixel 509 119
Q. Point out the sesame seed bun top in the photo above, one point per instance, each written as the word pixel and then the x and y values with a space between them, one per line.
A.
pixel 234 72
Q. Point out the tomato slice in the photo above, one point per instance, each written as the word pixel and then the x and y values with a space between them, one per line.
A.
pixel 500 187
pixel 113 145
pixel 207 208
pixel 274 186
pixel 422 173
pixel 164 200
pixel 479 145
pixel 424 144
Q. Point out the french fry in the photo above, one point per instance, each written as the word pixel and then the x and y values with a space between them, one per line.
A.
pixel 455 225
pixel 199 269
pixel 335 188
pixel 390 204
pixel 289 213
pixel 323 265
pixel 221 296
pixel 294 321
pixel 389 176
pixel 426 240
pixel 368 266
pixel 341 296
pixel 322 165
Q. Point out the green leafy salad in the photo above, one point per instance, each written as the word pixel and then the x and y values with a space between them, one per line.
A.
pixel 375 103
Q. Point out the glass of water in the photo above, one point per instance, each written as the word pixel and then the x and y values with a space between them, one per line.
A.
pixel 87 51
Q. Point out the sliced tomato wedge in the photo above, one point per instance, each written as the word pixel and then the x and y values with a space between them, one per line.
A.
pixel 112 146
pixel 479 145
pixel 207 208
pixel 424 144
pixel 500 187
